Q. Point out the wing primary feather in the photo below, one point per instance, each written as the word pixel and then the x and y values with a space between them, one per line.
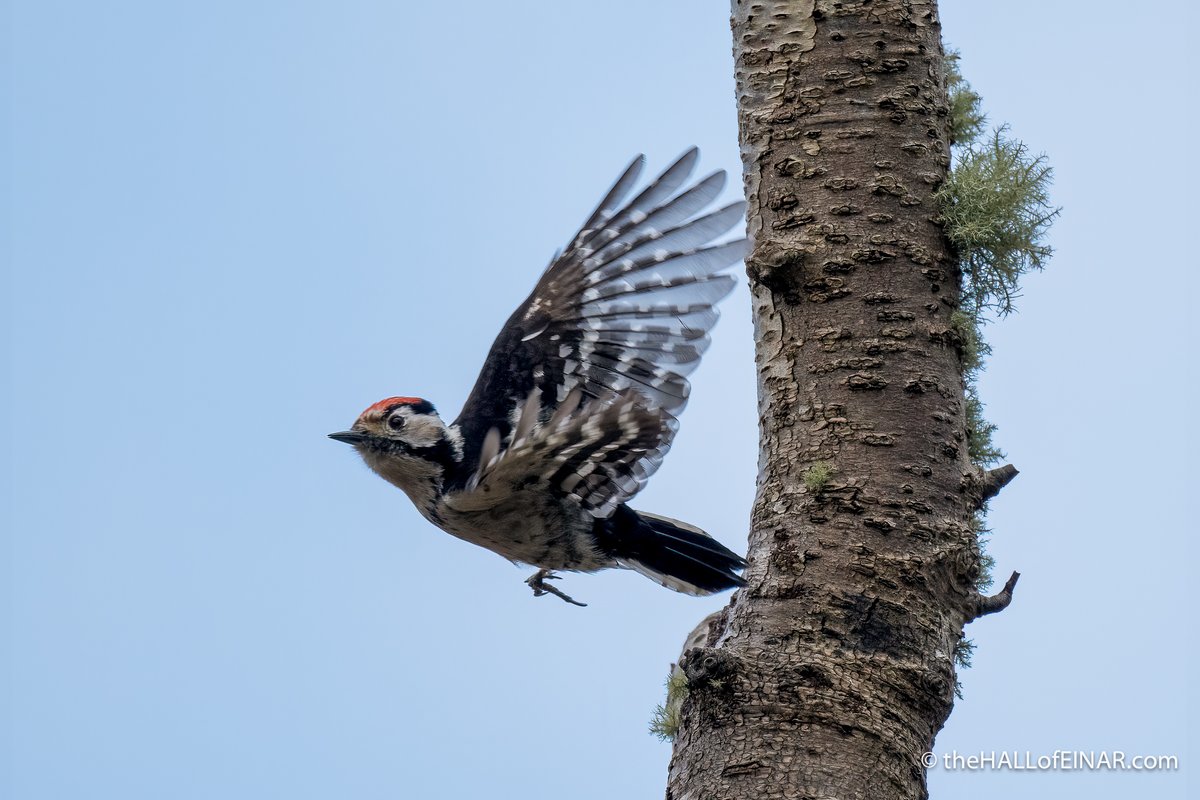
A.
pixel 697 263
pixel 691 234
pixel 608 206
pixel 647 201
pixel 668 288
pixel 660 220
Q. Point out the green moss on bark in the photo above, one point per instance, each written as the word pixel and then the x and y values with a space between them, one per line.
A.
pixel 817 476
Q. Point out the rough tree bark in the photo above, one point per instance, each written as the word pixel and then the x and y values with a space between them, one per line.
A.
pixel 830 673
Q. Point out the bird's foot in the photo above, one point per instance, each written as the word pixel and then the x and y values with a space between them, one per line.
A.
pixel 537 582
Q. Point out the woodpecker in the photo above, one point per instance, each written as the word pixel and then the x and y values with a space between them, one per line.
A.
pixel 577 401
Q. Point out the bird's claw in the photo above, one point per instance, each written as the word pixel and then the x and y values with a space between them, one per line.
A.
pixel 537 582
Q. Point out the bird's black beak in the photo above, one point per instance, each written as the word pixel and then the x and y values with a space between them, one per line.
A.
pixel 349 437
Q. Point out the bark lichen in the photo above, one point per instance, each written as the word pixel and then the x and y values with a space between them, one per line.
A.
pixel 995 206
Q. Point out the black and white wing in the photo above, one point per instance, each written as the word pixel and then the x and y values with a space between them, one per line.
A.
pixel 595 454
pixel 627 306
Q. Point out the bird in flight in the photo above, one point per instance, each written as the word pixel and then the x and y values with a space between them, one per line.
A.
pixel 577 401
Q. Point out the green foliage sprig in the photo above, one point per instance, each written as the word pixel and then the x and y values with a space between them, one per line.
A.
pixel 995 206
pixel 665 723
pixel 966 114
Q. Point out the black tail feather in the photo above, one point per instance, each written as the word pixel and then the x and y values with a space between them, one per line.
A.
pixel 673 553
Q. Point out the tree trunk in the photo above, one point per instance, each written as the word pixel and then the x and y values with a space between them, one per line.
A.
pixel 830 673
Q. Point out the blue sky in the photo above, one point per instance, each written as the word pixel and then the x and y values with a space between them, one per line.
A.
pixel 229 227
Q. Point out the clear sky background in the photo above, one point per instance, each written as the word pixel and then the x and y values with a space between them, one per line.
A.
pixel 230 226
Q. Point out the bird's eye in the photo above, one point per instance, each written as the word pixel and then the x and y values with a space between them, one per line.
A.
pixel 396 422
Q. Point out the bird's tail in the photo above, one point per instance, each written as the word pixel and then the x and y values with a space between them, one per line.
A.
pixel 677 555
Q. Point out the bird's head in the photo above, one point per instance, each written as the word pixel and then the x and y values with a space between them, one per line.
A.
pixel 395 423
pixel 404 440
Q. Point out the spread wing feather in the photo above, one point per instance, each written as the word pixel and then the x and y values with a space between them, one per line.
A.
pixel 599 454
pixel 626 308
